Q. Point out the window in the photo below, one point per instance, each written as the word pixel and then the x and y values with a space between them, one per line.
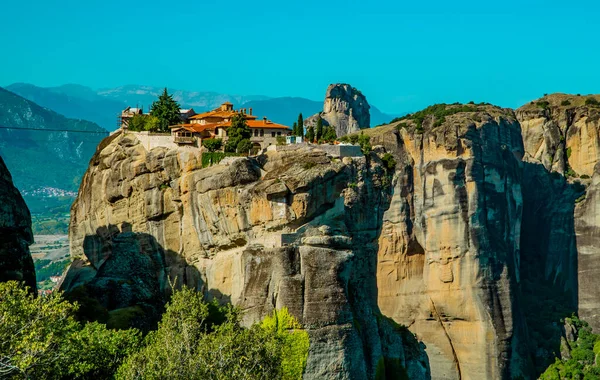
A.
pixel 278 133
pixel 255 132
pixel 262 132
pixel 272 134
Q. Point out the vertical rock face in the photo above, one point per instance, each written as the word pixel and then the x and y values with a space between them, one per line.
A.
pixel 448 258
pixel 15 234
pixel 345 108
pixel 292 228
pixel 561 134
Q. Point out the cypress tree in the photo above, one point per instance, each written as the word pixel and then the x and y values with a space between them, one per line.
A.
pixel 166 109
pixel 300 131
pixel 319 131
pixel 295 129
pixel 310 134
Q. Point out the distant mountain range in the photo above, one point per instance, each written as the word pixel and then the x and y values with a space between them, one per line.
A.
pixel 46 152
pixel 102 106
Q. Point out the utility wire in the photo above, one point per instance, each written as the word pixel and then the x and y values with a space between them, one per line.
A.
pixel 57 130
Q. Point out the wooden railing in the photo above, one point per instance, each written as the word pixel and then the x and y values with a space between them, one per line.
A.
pixel 183 140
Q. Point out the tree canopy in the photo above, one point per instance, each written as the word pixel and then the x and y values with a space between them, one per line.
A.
pixel 319 130
pixel 238 132
pixel 299 130
pixel 166 109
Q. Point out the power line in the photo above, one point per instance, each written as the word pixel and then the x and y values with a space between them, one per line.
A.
pixel 57 130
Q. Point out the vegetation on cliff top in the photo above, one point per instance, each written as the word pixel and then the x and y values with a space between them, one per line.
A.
pixel 195 339
pixel 563 101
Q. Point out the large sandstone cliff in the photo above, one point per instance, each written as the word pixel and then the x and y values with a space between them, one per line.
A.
pixel 15 233
pixel 345 108
pixel 292 228
pixel 448 262
pixel 561 134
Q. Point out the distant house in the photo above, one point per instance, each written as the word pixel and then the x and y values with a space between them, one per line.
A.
pixel 214 124
pixel 127 114
pixel 186 114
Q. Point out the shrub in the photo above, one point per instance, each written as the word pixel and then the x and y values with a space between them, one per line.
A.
pixel 565 103
pixel 54 344
pixel 592 102
pixel 388 161
pixel 212 145
pixel 244 146
pixel 281 140
pixel 543 104
pixel 438 112
pixel 353 139
pixel 365 143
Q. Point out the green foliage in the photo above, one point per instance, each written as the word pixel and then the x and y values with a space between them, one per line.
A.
pixel 592 102
pixel 543 104
pixel 244 146
pixel 308 165
pixel 319 130
pixel 300 126
pixel 584 176
pixel 212 145
pixel 565 103
pixel 40 338
pixel 293 341
pixel 238 131
pixel 436 112
pixel 388 161
pixel 582 364
pixel 310 134
pixel 570 172
pixel 280 140
pixel 144 123
pixel 213 158
pixel 569 151
pixel 329 134
pixel 166 110
pixel 402 125
pixel 353 139
pixel 294 129
pixel 190 345
pixel 365 143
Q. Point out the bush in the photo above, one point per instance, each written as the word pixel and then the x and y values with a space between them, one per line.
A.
pixel 213 158
pixel 281 140
pixel 365 143
pixel 438 112
pixel 54 344
pixel 592 102
pixel 565 103
pixel 543 104
pixel 212 145
pixel 388 161
pixel 244 146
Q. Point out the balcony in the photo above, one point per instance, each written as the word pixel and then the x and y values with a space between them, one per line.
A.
pixel 183 140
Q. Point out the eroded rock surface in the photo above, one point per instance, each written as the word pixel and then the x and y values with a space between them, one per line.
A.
pixel 448 255
pixel 15 233
pixel 345 108
pixel 293 228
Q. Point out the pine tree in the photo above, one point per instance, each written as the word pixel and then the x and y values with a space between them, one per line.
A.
pixel 319 131
pixel 300 126
pixel 295 129
pixel 166 109
pixel 310 134
pixel 238 132
pixel 330 135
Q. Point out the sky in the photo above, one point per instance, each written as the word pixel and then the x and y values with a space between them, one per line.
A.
pixel 403 55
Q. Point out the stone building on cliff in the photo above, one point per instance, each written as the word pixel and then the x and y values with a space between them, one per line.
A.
pixel 214 124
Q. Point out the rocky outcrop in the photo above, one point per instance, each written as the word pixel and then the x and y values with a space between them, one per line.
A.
pixel 561 134
pixel 291 228
pixel 448 259
pixel 345 108
pixel 15 234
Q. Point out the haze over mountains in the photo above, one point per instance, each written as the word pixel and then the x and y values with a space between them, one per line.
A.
pixel 102 106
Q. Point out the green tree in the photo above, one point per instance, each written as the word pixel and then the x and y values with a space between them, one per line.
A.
pixel 300 126
pixel 329 134
pixel 40 338
pixel 295 129
pixel 195 342
pixel 238 131
pixel 365 143
pixel 319 131
pixel 244 146
pixel 212 145
pixel 166 109
pixel 310 134
pixel 144 123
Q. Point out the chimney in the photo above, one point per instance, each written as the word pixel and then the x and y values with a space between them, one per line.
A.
pixel 265 120
pixel 244 111
pixel 250 111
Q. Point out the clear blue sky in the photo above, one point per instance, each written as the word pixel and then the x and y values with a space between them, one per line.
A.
pixel 402 55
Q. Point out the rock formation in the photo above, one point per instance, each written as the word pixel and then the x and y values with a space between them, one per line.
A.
pixel 561 133
pixel 291 228
pixel 448 260
pixel 15 233
pixel 345 108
